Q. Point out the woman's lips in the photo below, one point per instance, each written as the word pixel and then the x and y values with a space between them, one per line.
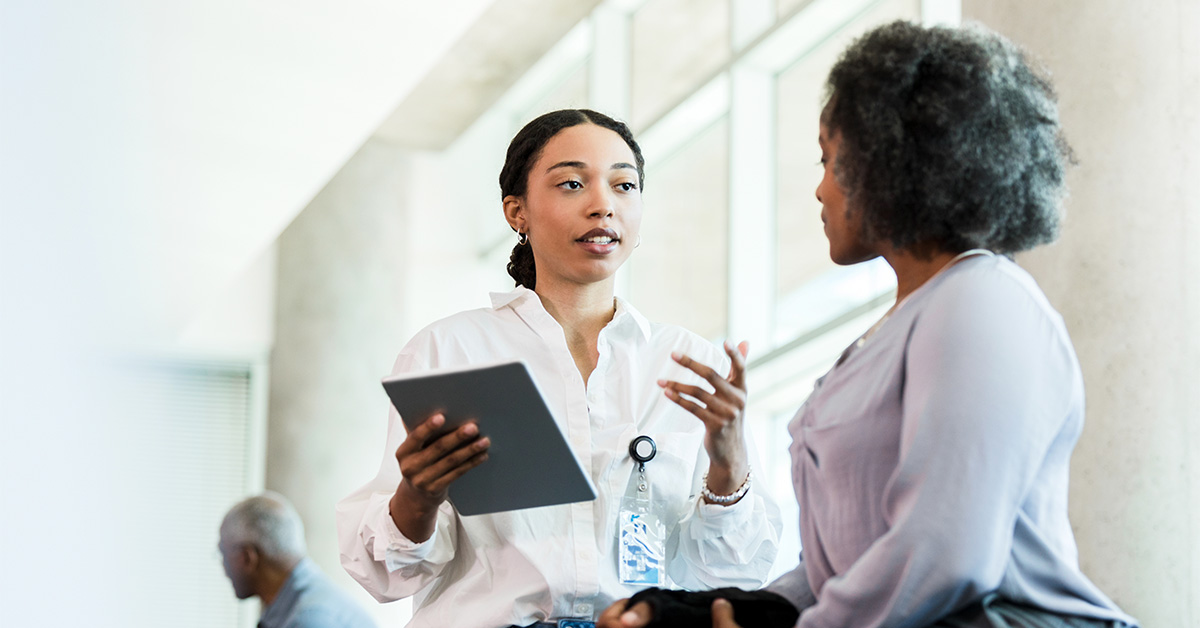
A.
pixel 599 241
pixel 598 246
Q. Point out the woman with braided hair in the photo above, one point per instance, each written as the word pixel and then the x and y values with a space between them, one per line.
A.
pixel 571 189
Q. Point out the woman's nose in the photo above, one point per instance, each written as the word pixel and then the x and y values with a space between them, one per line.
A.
pixel 602 205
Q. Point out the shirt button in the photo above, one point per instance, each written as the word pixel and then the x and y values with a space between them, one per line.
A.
pixel 583 610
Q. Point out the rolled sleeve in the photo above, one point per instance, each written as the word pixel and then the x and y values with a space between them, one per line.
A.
pixel 715 520
pixel 389 545
pixel 731 545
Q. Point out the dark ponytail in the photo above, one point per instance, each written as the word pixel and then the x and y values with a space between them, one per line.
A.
pixel 521 266
pixel 524 151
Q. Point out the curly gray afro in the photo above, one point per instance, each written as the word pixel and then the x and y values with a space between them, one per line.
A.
pixel 950 140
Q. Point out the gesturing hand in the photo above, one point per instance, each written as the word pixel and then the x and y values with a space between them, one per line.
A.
pixel 429 465
pixel 722 410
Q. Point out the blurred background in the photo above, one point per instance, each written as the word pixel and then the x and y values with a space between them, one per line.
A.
pixel 220 221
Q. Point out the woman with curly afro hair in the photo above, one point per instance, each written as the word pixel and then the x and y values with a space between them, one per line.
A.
pixel 931 462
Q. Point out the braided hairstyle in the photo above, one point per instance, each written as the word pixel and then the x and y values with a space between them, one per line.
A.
pixel 523 153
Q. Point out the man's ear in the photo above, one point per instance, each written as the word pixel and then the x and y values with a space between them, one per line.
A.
pixel 251 557
pixel 514 213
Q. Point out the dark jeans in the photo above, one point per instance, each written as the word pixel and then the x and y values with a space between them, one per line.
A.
pixel 993 612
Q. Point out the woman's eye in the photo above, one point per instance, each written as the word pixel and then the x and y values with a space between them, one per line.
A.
pixel 570 185
pixel 627 186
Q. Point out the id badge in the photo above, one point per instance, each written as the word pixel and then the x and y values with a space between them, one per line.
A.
pixel 642 539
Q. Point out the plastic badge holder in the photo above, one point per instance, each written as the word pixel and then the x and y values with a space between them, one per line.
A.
pixel 642 535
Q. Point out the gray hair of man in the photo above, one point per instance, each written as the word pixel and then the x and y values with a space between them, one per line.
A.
pixel 270 523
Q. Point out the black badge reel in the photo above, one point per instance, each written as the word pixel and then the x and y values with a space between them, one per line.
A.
pixel 642 450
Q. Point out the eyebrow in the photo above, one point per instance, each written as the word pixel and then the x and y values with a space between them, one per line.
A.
pixel 579 164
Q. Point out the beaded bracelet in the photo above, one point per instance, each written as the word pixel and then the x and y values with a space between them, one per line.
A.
pixel 726 499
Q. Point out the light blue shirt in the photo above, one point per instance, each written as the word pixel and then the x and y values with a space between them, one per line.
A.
pixel 931 462
pixel 309 600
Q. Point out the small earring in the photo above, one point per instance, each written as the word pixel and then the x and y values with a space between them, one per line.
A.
pixel 522 239
pixel 639 242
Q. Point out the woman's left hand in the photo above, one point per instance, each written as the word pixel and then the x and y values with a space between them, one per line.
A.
pixel 722 615
pixel 617 616
pixel 723 412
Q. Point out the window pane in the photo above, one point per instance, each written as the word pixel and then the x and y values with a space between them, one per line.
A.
pixel 805 275
pixel 678 275
pixel 190 426
pixel 787 6
pixel 570 93
pixel 677 45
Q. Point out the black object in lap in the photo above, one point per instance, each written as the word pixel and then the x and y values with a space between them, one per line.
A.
pixel 994 611
pixel 693 609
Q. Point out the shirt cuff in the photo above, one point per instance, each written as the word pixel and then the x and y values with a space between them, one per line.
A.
pixel 391 547
pixel 716 520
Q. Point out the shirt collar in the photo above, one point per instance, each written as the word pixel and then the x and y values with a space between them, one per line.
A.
pixel 281 607
pixel 625 309
pixel 519 295
pixel 522 297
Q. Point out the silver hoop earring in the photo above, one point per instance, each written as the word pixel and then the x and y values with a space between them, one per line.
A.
pixel 639 242
pixel 522 239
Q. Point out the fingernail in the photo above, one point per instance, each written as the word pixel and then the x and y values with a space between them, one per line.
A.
pixel 470 429
pixel 720 603
pixel 483 443
pixel 629 617
pixel 662 383
pixel 676 355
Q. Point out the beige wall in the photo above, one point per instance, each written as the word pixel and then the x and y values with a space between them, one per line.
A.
pixel 339 294
pixel 1126 277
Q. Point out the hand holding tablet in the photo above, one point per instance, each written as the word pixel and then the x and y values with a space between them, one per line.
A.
pixel 430 459
pixel 484 437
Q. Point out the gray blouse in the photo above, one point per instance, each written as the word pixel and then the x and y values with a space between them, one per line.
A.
pixel 931 462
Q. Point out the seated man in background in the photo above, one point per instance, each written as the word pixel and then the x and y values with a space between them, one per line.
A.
pixel 262 547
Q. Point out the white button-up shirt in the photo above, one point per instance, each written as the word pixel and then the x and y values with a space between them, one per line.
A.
pixel 519 567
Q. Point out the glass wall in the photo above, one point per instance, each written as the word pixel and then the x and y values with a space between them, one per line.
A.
pixel 686 211
pixel 810 289
pixel 677 44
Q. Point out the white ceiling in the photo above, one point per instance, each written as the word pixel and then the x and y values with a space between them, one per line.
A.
pixel 150 150
pixel 509 37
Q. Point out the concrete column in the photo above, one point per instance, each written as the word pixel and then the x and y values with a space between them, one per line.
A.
pixel 1126 277
pixel 340 291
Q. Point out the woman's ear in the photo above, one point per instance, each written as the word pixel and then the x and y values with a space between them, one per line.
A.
pixel 514 213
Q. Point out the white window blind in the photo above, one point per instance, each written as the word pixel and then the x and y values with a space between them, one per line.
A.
pixel 194 434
